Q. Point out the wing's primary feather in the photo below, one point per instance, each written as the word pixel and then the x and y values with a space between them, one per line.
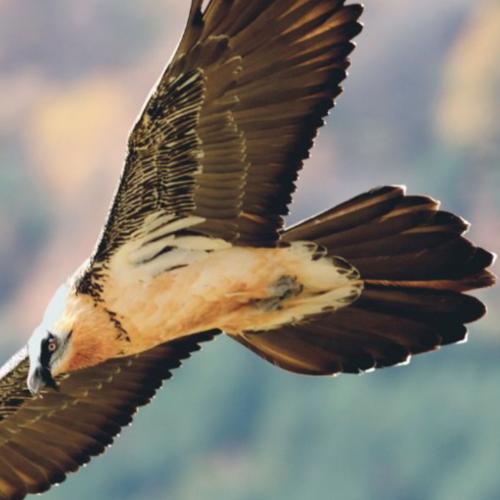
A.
pixel 234 115
pixel 44 438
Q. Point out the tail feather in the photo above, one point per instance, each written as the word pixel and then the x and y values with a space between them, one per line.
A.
pixel 415 264
pixel 401 238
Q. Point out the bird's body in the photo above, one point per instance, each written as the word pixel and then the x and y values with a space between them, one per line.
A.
pixel 195 244
pixel 193 288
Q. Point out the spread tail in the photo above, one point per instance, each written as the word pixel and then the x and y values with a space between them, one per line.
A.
pixel 415 264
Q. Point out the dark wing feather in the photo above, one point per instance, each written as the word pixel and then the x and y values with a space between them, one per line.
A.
pixel 225 133
pixel 383 328
pixel 44 438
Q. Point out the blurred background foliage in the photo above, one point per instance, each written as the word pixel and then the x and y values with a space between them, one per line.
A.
pixel 421 108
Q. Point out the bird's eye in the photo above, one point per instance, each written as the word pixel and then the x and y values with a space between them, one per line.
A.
pixel 52 344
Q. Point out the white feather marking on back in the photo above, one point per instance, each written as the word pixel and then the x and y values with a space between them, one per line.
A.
pixel 157 248
pixel 157 227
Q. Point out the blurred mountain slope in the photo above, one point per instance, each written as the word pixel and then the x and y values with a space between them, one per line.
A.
pixel 467 115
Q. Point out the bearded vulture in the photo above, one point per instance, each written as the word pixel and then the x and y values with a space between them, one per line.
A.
pixel 195 245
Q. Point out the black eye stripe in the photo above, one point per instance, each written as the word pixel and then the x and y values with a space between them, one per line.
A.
pixel 45 353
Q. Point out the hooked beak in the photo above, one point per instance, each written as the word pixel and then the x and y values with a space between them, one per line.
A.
pixel 40 379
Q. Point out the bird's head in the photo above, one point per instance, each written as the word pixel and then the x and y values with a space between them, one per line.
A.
pixel 49 344
pixel 75 333
pixel 46 351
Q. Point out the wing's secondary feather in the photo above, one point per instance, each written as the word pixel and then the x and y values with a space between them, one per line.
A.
pixel 44 438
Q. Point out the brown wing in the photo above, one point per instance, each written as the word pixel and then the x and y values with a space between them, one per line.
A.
pixel 383 328
pixel 225 133
pixel 44 438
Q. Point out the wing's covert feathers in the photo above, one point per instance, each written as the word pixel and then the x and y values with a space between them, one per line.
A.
pixel 44 438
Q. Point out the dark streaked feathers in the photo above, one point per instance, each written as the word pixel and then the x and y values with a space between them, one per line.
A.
pixel 232 119
pixel 43 438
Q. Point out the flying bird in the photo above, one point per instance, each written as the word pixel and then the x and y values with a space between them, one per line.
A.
pixel 195 245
